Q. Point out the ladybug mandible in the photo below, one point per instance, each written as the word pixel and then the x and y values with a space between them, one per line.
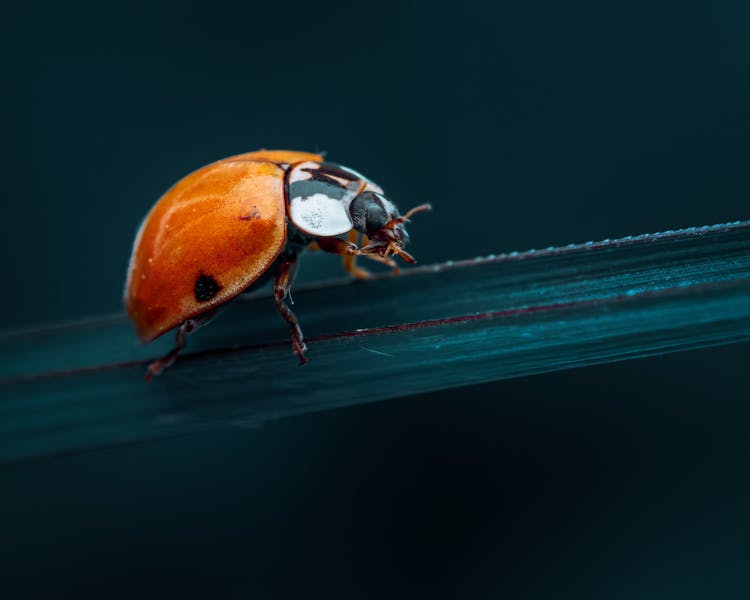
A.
pixel 236 223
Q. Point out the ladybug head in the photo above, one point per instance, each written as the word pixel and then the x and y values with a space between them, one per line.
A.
pixel 378 218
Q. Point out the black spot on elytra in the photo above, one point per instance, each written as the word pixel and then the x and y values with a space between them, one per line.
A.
pixel 206 288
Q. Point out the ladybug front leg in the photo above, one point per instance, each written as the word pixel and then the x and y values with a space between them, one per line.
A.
pixel 280 291
pixel 383 259
pixel 350 260
pixel 346 248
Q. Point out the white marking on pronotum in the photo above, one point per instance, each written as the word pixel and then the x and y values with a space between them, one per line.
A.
pixel 320 215
pixel 340 180
pixel 302 171
pixel 370 186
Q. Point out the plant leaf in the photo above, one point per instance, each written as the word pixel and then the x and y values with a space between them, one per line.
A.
pixel 80 386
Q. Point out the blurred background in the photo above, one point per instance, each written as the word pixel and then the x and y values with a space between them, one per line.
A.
pixel 526 125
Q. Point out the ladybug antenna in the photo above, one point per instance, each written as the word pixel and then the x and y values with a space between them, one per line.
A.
pixel 404 218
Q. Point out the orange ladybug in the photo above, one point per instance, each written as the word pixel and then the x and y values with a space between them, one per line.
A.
pixel 235 223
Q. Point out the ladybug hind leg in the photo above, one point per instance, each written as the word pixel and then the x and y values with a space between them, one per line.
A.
pixel 158 366
pixel 281 285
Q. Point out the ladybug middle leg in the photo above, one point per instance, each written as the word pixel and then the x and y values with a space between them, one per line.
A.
pixel 281 284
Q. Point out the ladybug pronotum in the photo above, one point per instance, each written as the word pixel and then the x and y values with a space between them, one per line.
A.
pixel 234 224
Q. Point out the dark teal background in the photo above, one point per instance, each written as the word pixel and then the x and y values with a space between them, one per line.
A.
pixel 526 125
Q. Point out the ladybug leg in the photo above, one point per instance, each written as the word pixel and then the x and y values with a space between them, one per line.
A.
pixel 371 251
pixel 281 286
pixel 383 250
pixel 346 248
pixel 335 245
pixel 350 260
pixel 385 260
pixel 158 366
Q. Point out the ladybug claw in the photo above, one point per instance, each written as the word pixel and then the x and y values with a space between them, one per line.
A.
pixel 299 347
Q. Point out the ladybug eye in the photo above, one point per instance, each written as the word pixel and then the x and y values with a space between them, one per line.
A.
pixel 368 212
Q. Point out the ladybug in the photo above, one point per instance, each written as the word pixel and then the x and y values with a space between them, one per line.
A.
pixel 238 222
